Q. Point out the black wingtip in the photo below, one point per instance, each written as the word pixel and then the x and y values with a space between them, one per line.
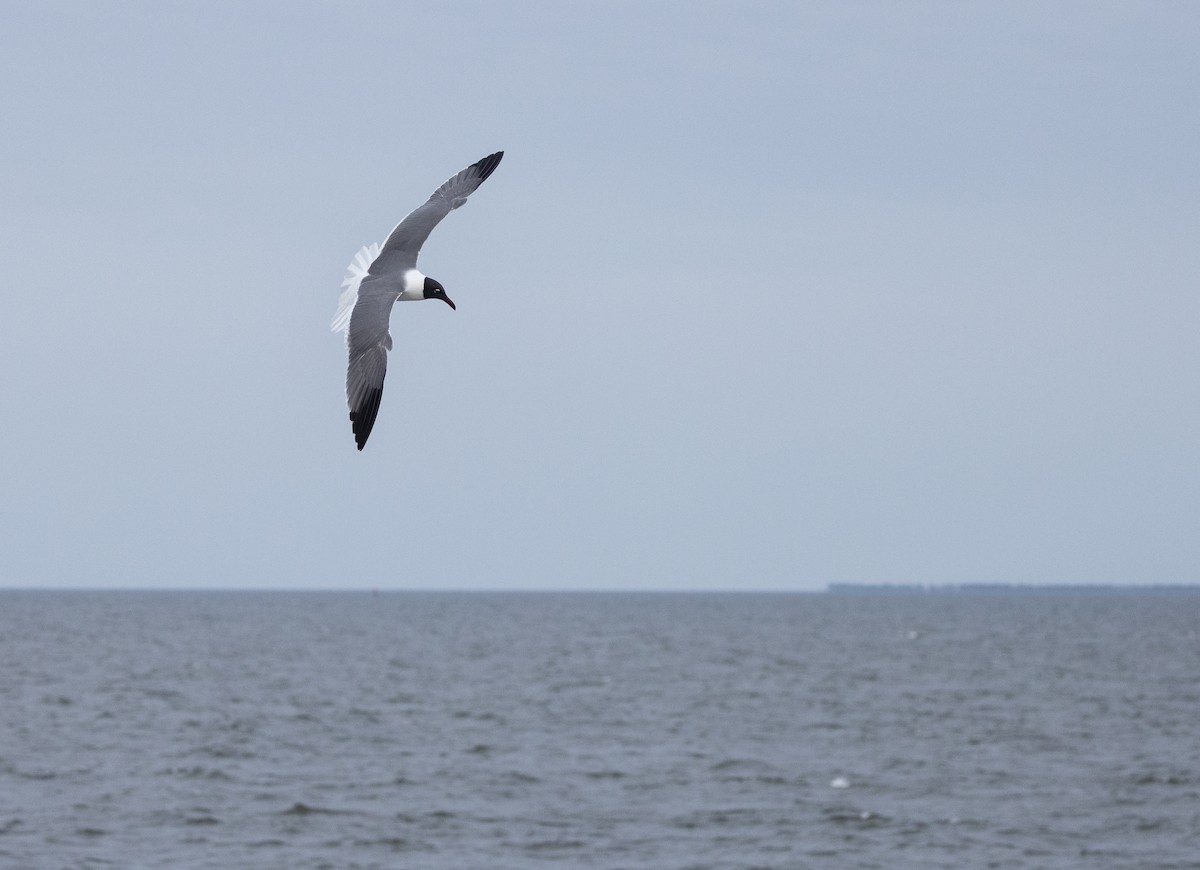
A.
pixel 363 418
pixel 487 165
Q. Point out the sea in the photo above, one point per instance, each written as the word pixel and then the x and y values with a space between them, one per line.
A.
pixel 871 728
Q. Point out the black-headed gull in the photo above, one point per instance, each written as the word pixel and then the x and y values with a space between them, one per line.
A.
pixel 379 277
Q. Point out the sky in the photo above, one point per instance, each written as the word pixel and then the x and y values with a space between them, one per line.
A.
pixel 763 296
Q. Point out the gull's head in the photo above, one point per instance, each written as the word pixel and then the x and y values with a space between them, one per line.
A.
pixel 434 290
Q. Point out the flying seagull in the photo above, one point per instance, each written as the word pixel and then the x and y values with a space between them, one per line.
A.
pixel 378 277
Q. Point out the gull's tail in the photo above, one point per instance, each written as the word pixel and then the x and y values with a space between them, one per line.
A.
pixel 355 272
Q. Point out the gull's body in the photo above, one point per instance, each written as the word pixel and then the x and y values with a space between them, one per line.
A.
pixel 377 278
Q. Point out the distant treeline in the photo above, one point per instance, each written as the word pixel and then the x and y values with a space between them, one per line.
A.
pixel 918 588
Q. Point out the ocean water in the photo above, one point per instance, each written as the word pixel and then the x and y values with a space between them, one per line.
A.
pixel 409 730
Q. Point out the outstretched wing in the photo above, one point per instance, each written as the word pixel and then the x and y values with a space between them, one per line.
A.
pixel 402 246
pixel 368 341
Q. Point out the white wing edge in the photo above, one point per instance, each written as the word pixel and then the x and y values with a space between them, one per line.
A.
pixel 355 272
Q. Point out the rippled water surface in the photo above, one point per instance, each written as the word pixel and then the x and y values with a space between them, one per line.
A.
pixel 406 730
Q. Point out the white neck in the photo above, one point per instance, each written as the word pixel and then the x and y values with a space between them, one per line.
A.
pixel 414 286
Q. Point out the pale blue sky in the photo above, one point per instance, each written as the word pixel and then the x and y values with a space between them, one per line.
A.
pixel 762 295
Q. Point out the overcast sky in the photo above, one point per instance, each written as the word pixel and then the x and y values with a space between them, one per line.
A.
pixel 763 296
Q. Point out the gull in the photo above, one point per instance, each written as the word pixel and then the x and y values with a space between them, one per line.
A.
pixel 377 278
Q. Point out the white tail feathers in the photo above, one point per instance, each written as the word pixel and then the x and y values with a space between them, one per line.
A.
pixel 355 272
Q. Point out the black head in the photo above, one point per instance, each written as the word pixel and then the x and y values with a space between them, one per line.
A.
pixel 434 290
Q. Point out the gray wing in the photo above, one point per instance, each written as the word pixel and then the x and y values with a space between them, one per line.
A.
pixel 368 340
pixel 400 251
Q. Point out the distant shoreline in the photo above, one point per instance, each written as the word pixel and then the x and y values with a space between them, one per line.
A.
pixel 910 589
pixel 1001 588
